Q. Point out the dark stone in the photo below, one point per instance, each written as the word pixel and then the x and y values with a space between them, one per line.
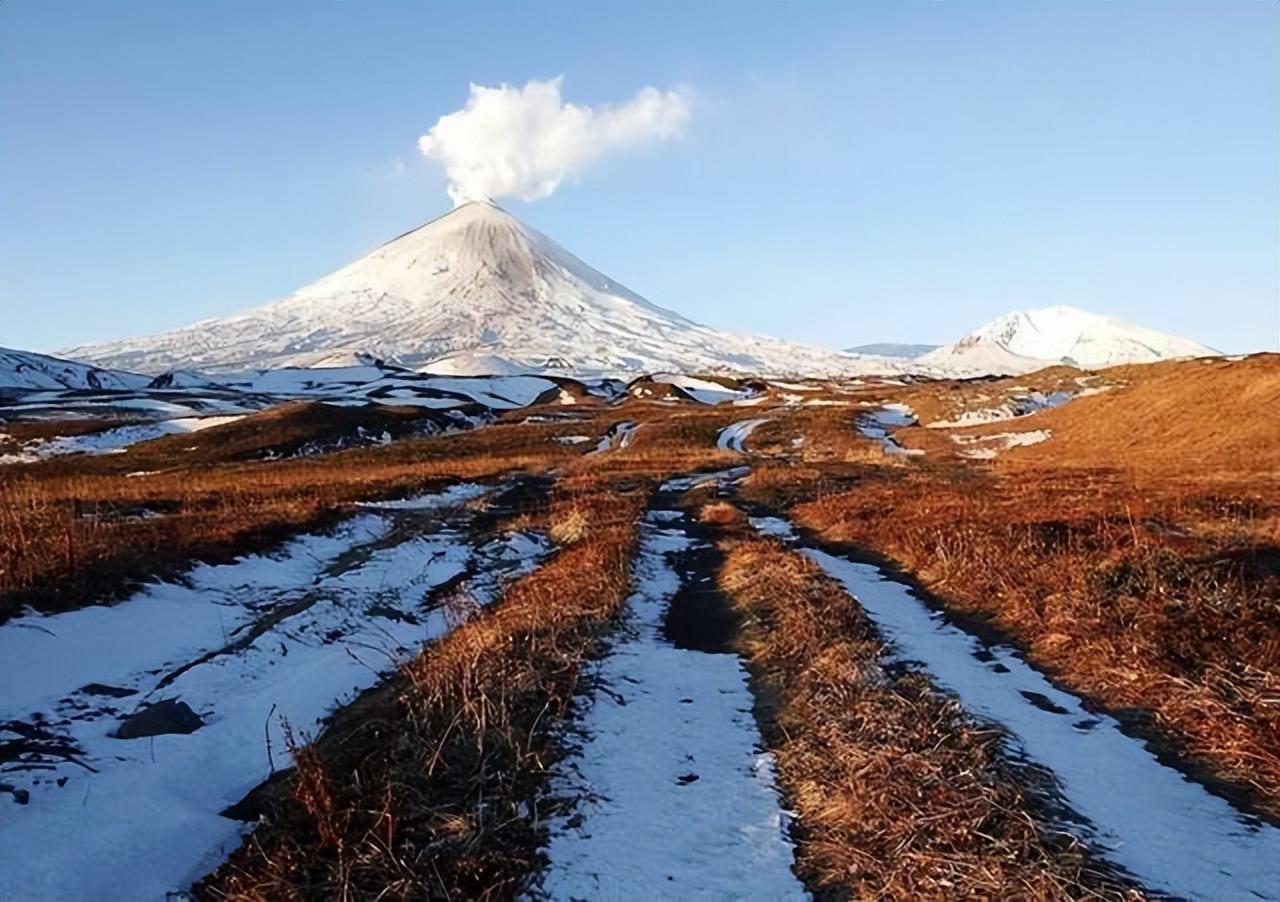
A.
pixel 104 689
pixel 167 717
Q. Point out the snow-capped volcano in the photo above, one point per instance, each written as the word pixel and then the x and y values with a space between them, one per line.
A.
pixel 476 281
pixel 1027 340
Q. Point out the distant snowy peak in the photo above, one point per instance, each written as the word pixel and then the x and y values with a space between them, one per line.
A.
pixel 1027 340
pixel 475 283
pixel 891 349
pixel 30 371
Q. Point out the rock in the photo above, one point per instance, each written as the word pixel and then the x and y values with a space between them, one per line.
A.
pixel 165 717
pixel 104 689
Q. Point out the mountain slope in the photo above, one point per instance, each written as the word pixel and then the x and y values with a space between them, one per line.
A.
pixel 1026 340
pixel 30 371
pixel 475 281
pixel 891 349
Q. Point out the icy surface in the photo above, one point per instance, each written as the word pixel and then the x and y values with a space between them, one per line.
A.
pixel 676 800
pixel 1149 819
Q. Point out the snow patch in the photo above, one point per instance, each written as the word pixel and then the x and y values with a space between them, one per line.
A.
pixel 675 800
pixel 1169 832
pixel 877 424
pixel 733 436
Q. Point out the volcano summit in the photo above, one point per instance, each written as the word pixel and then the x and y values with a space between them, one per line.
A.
pixel 473 289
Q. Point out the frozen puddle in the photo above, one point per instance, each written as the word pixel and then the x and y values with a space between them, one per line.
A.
pixel 878 425
pixel 734 436
pixel 216 666
pixel 674 796
pixel 1147 818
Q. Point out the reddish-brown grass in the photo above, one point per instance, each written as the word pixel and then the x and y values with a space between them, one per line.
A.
pixel 68 538
pixel 900 794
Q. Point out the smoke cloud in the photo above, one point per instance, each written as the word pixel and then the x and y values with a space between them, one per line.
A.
pixel 523 142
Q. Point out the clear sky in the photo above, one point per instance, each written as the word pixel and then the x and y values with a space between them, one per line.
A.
pixel 850 172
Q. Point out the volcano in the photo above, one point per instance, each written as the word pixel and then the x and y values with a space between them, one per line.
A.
pixel 1027 340
pixel 473 290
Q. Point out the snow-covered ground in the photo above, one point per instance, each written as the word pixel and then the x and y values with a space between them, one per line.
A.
pixel 112 441
pixel 704 391
pixel 734 436
pixel 27 370
pixel 877 424
pixel 1016 406
pixel 231 655
pixel 618 436
pixel 675 798
pixel 986 447
pixel 1151 820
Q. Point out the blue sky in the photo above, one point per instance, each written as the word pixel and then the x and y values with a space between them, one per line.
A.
pixel 850 172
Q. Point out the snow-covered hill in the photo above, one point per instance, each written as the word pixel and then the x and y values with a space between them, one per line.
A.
pixel 30 371
pixel 1027 340
pixel 475 282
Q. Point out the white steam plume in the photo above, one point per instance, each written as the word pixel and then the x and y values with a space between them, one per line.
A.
pixel 523 142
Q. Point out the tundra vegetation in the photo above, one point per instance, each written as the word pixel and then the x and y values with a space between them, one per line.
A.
pixel 1132 553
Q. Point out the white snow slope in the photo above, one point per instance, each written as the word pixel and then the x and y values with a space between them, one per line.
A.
pixel 1028 340
pixel 30 371
pixel 475 281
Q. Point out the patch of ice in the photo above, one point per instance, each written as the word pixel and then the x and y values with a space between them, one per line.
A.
pixel 774 526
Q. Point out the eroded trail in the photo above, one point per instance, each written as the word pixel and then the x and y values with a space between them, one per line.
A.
pixel 130 729
pixel 673 795
pixel 1147 818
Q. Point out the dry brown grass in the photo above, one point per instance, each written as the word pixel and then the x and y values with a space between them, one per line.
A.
pixel 434 796
pixel 1165 602
pixel 69 534
pixel 721 513
pixel 900 794
pixel 1135 554
pixel 1204 420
